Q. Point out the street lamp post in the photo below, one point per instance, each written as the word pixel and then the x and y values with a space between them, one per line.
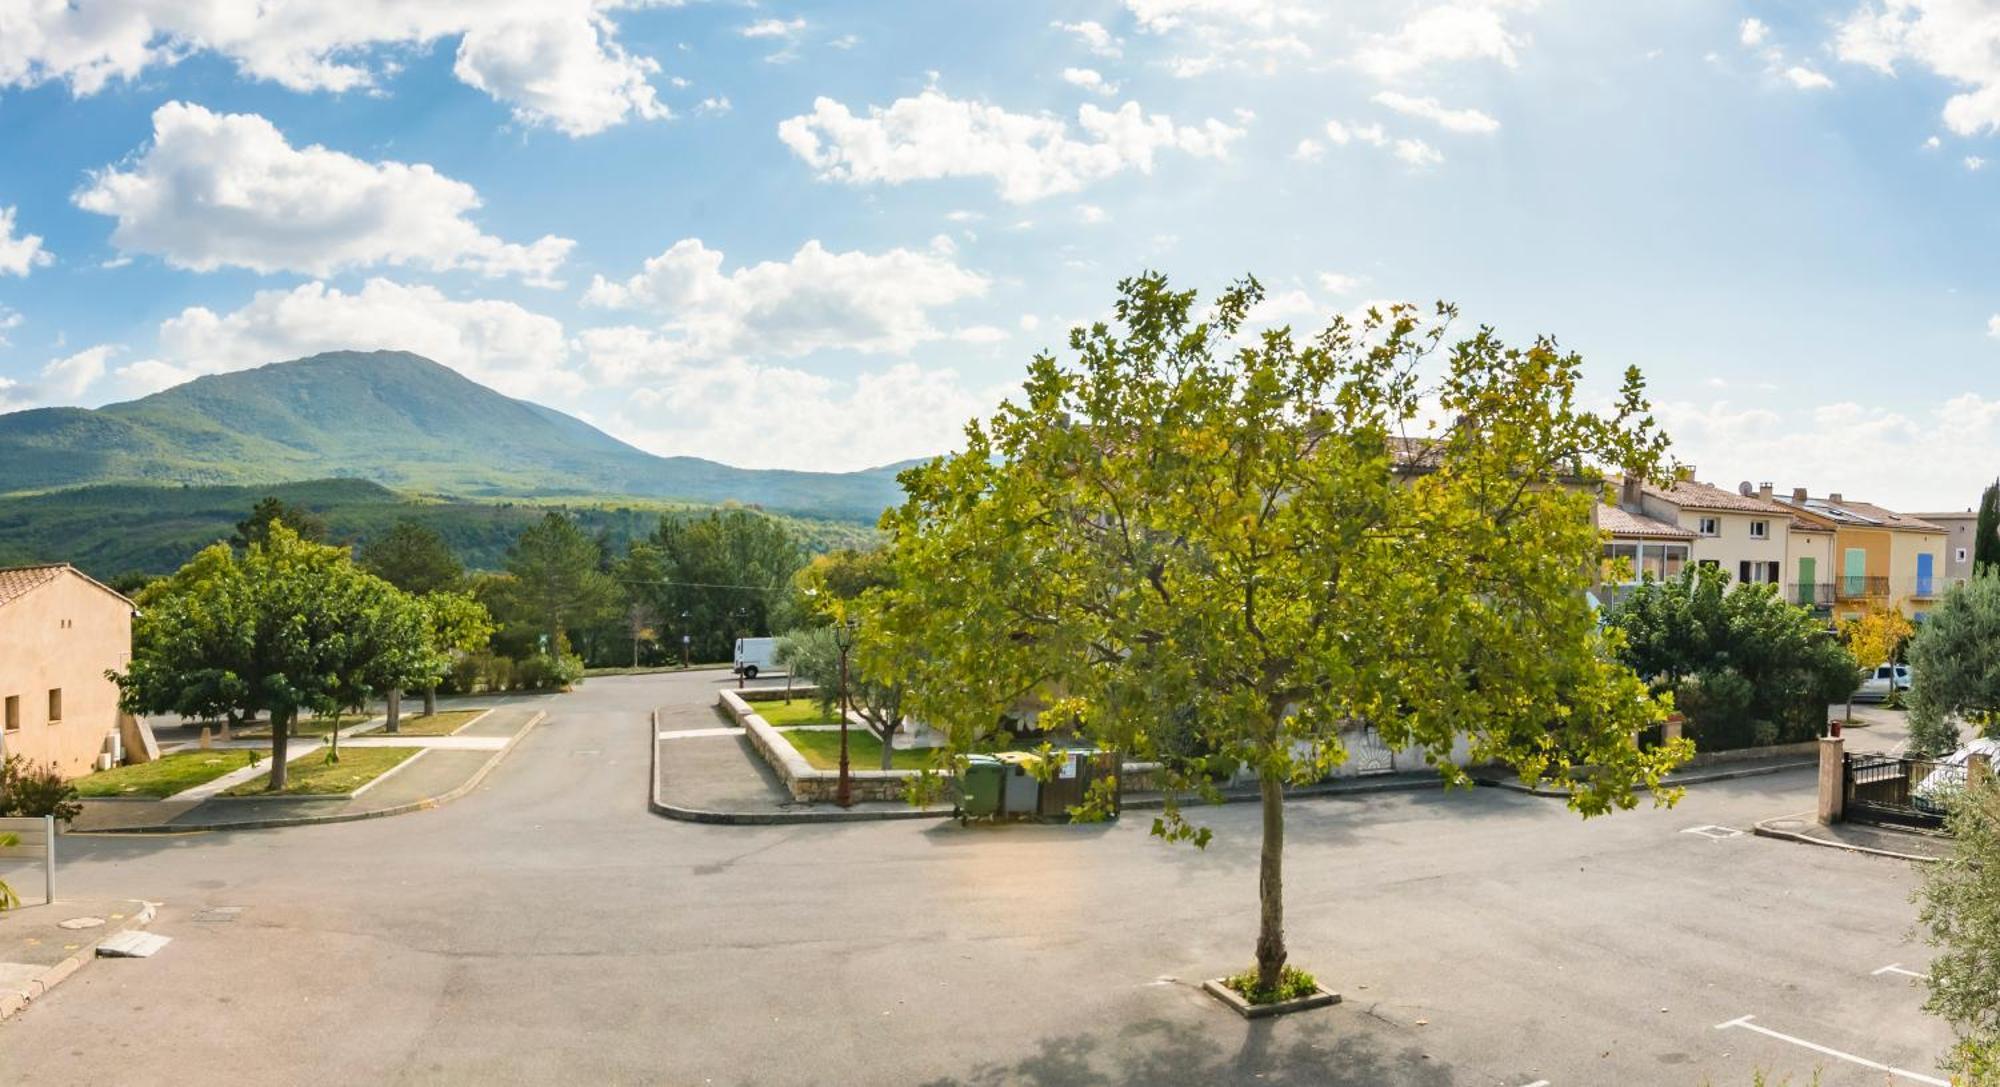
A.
pixel 843 637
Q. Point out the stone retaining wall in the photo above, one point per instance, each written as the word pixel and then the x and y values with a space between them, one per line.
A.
pixel 803 780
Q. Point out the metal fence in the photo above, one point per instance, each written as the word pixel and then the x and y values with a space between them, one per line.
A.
pixel 1897 791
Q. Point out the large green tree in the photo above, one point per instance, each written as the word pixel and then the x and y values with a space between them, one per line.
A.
pixel 1986 530
pixel 1745 667
pixel 1955 665
pixel 1271 541
pixel 845 592
pixel 413 557
pixel 272 510
pixel 289 626
pixel 716 576
pixel 1959 914
pixel 557 583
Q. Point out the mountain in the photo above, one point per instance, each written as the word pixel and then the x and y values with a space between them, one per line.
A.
pixel 394 418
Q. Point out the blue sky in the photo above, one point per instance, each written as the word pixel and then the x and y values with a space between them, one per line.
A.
pixel 824 235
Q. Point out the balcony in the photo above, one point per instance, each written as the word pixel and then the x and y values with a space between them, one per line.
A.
pixel 1810 594
pixel 1856 587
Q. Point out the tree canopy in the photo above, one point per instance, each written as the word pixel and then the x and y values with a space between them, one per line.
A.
pixel 271 510
pixel 716 576
pixel 1986 530
pixel 413 557
pixel 844 593
pixel 1959 914
pixel 557 583
pixel 1955 665
pixel 1745 667
pixel 1274 541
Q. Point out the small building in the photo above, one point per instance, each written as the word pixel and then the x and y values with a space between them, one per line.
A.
pixel 1959 532
pixel 60 632
pixel 1879 557
pixel 1743 531
pixel 1640 547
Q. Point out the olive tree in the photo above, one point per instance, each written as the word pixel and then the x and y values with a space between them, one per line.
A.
pixel 1959 915
pixel 1955 665
pixel 1270 539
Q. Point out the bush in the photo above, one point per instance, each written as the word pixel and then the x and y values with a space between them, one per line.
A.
pixel 499 673
pixel 463 678
pixel 1293 984
pixel 35 791
pixel 544 671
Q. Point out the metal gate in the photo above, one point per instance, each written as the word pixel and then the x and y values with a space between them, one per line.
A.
pixel 1897 791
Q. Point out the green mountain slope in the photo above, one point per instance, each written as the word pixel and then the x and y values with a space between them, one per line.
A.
pixel 394 418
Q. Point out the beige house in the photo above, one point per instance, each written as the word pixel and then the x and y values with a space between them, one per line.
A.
pixel 1879 556
pixel 60 632
pixel 1744 532
pixel 1809 564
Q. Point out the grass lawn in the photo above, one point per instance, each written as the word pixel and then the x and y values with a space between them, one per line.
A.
pixel 309 773
pixel 305 726
pixel 799 711
pixel 164 776
pixel 864 751
pixel 441 723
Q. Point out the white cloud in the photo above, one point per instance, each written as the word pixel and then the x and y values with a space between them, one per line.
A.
pixel 227 190
pixel 1956 40
pixel 1257 34
pixel 1807 79
pixel 1974 163
pixel 1752 32
pixel 1094 37
pixel 816 300
pixel 9 321
pixel 1090 213
pixel 845 41
pixel 716 105
pixel 554 62
pixel 773 28
pixel 1418 153
pixel 1027 156
pixel 1089 79
pixel 1430 109
pixel 1933 144
pixel 19 256
pixel 1309 150
pixel 1456 31
pixel 499 343
pixel 1344 134
pixel 1993 326
pixel 1339 283
pixel 60 381
pixel 1870 461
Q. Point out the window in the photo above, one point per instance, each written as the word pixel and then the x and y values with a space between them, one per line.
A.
pixel 1961 555
pixel 55 705
pixel 1711 526
pixel 13 713
pixel 1760 530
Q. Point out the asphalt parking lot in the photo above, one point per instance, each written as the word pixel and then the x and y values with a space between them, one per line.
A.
pixel 548 928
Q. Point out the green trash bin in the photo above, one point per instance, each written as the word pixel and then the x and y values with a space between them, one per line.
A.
pixel 979 788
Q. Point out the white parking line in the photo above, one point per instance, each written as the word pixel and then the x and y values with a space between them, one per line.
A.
pixel 1537 1083
pixel 1917 1077
pixel 1896 968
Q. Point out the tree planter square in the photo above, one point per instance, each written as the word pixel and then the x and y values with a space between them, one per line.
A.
pixel 1247 1010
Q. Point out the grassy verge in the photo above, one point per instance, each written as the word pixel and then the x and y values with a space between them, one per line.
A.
pixel 310 773
pixel 652 669
pixel 442 723
pixel 308 726
pixel 864 751
pixel 799 711
pixel 162 777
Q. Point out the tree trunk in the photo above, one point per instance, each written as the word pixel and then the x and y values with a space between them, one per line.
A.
pixel 888 746
pixel 430 700
pixel 333 740
pixel 395 713
pixel 1271 885
pixel 281 729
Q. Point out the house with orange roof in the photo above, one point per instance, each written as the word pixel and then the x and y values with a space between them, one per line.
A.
pixel 1877 556
pixel 60 632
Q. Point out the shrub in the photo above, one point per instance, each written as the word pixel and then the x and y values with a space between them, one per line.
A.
pixel 499 674
pixel 35 791
pixel 464 676
pixel 544 671
pixel 1293 984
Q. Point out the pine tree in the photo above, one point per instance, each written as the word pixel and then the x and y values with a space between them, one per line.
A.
pixel 1986 534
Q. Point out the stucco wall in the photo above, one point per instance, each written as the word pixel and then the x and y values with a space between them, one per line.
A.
pixel 1735 544
pixel 63 635
pixel 1904 547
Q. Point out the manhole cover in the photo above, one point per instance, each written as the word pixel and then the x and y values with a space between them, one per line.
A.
pixel 1715 832
pixel 81 922
pixel 217 914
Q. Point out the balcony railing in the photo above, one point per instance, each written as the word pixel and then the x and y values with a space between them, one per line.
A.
pixel 1811 594
pixel 1857 587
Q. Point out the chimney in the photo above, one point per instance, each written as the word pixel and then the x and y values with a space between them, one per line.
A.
pixel 1834 498
pixel 1799 495
pixel 1764 490
pixel 1628 492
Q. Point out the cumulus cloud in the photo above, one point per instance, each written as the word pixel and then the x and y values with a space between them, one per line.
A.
pixel 1027 156
pixel 1344 134
pixel 227 190
pixel 495 342
pixel 1956 40
pixel 60 381
pixel 1871 459
pixel 1416 152
pixel 1089 79
pixel 1430 109
pixel 1094 37
pixel 19 255
pixel 818 299
pixel 554 62
pixel 1807 79
pixel 1256 34
pixel 1461 30
pixel 773 28
pixel 1752 32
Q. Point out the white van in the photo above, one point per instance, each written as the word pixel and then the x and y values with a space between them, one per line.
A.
pixel 754 655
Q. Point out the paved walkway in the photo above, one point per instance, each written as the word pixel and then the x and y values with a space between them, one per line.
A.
pixel 1857 837
pixel 42 945
pixel 448 766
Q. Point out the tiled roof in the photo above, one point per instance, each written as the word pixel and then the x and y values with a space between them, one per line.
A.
pixel 1799 525
pixel 1691 495
pixel 17 580
pixel 1622 522
pixel 1865 514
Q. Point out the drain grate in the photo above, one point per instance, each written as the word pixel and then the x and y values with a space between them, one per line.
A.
pixel 216 915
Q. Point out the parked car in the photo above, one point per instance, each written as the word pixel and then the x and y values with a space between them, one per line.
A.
pixel 1883 681
pixel 754 655
pixel 1942 785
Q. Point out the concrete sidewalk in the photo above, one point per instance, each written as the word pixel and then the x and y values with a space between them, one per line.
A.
pixel 1910 845
pixel 449 767
pixel 42 945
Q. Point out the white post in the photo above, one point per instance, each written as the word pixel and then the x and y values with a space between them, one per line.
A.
pixel 49 860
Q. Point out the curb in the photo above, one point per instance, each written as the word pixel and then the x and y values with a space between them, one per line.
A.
pixel 14 1001
pixel 1514 785
pixel 1762 829
pixel 659 806
pixel 426 803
